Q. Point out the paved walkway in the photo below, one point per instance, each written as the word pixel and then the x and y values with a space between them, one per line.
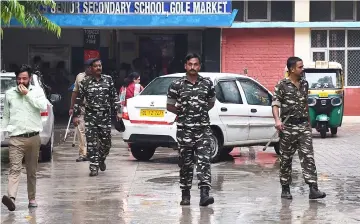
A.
pixel 245 186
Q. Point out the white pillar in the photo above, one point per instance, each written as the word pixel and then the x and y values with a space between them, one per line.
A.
pixel 302 43
pixel 302 11
pixel 302 38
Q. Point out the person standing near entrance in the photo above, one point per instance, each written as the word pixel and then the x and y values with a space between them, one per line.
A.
pixel 130 88
pixel 191 98
pixel 101 102
pixel 22 120
pixel 80 129
pixel 291 96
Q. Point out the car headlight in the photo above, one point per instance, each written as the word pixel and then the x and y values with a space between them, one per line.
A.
pixel 311 101
pixel 336 101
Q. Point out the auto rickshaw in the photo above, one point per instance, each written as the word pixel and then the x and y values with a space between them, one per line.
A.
pixel 326 95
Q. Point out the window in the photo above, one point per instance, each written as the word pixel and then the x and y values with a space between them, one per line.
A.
pixel 239 5
pixel 158 86
pixel 339 45
pixel 257 10
pixel 282 11
pixel 343 10
pixel 255 94
pixel 228 92
pixel 263 10
pixel 320 11
pixel 334 10
pixel 319 38
pixel 7 82
pixel 325 78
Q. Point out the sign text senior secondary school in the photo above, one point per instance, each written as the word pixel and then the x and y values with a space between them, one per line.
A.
pixel 140 7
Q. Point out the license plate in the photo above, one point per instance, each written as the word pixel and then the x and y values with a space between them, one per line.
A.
pixel 151 113
pixel 323 94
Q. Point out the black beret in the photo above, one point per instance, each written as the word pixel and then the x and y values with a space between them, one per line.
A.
pixel 90 61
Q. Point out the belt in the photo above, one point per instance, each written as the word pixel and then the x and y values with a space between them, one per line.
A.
pixel 28 135
pixel 102 112
pixel 296 121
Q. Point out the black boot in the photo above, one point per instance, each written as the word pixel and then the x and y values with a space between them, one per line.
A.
pixel 185 197
pixel 102 165
pixel 94 171
pixel 286 192
pixel 315 193
pixel 205 199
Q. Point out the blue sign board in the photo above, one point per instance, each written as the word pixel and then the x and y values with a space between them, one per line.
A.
pixel 151 13
pixel 142 7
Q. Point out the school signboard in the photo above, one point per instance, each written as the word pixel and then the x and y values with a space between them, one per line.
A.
pixel 142 7
pixel 135 14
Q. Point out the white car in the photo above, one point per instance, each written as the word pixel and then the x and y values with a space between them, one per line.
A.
pixel 242 116
pixel 8 80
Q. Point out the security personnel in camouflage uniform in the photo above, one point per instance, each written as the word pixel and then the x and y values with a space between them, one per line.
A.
pixel 291 95
pixel 100 94
pixel 190 98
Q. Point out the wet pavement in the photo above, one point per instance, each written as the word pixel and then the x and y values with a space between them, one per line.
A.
pixel 245 187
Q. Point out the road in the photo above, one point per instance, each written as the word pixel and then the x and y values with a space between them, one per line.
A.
pixel 245 187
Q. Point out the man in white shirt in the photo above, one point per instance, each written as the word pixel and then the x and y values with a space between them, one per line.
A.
pixel 22 120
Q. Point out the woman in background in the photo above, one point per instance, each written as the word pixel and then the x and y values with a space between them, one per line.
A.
pixel 130 88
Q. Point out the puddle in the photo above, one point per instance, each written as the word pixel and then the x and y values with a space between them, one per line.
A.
pixel 164 180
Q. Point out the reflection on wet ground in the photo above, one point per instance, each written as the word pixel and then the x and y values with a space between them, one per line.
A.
pixel 245 187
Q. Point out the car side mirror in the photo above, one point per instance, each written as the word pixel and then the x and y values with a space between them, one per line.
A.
pixel 54 98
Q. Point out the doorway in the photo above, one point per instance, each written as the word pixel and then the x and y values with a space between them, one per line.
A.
pixel 160 54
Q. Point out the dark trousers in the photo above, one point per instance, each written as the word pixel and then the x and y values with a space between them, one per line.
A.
pixel 297 138
pixel 195 146
pixel 98 137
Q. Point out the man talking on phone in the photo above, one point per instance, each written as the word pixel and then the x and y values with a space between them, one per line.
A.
pixel 22 120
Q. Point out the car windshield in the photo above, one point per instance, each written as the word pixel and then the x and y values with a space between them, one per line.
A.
pixel 158 86
pixel 323 78
pixel 7 82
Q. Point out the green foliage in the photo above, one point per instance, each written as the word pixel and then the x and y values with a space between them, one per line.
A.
pixel 28 14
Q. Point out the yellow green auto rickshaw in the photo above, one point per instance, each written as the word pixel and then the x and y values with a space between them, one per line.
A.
pixel 326 95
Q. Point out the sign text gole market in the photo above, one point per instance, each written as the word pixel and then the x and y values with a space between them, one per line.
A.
pixel 140 7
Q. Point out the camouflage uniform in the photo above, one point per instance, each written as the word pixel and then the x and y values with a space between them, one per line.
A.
pixel 297 132
pixel 100 99
pixel 193 128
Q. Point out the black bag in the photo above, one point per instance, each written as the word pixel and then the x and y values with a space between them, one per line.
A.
pixel 119 125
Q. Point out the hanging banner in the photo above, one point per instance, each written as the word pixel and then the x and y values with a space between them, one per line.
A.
pixel 142 7
pixel 88 54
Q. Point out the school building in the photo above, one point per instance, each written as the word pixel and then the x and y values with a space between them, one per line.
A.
pixel 253 37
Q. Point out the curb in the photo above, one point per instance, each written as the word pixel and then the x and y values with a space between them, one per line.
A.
pixel 351 119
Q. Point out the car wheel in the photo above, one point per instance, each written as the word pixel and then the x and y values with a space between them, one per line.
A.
pixel 142 153
pixel 215 148
pixel 277 148
pixel 46 150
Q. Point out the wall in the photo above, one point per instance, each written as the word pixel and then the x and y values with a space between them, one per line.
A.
pixel 20 38
pixel 262 51
pixel 352 102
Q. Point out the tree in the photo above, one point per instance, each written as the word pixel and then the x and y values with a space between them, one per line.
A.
pixel 28 13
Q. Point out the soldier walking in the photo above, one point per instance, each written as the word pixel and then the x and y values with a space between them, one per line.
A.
pixel 100 94
pixel 191 98
pixel 291 95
